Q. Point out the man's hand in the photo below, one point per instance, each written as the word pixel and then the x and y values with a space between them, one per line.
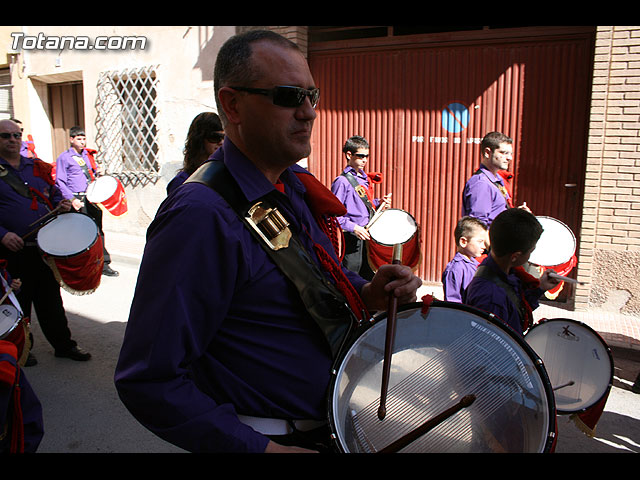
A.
pixel 397 280
pixel 361 232
pixel 12 241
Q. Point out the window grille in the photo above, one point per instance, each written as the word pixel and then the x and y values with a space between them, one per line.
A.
pixel 126 124
pixel 6 97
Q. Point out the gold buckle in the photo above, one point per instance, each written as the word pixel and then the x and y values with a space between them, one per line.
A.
pixel 269 223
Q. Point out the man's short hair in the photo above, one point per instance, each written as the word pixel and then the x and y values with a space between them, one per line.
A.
pixel 493 140
pixel 467 226
pixel 233 63
pixel 514 230
pixel 76 131
pixel 354 143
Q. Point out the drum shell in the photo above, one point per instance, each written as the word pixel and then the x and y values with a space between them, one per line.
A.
pixel 77 268
pixel 108 192
pixel 380 250
pixel 547 431
pixel 555 235
pixel 593 355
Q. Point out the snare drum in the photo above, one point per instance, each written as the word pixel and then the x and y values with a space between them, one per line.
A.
pixel 556 245
pixel 72 247
pixel 108 192
pixel 9 319
pixel 392 227
pixel 441 355
pixel 578 361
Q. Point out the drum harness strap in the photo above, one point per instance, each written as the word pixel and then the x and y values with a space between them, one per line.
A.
pixel 518 301
pixel 333 310
pixel 360 190
pixel 23 188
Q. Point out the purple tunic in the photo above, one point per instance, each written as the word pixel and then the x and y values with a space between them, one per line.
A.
pixel 456 276
pixel 481 198
pixel 15 210
pixel 70 176
pixel 485 295
pixel 357 213
pixel 215 329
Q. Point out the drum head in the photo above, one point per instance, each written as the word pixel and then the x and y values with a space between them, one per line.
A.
pixel 9 318
pixel 439 358
pixel 102 189
pixel 68 234
pixel 556 245
pixel 573 352
pixel 394 226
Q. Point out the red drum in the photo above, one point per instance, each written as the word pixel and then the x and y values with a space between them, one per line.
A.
pixel 15 329
pixel 108 192
pixel 72 247
pixel 389 228
pixel 9 319
pixel 555 250
pixel 577 359
pixel 442 353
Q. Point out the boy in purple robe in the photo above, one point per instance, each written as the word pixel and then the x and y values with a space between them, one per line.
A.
pixel 471 240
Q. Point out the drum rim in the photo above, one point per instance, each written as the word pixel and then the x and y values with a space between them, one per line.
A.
pixel 563 411
pixel 358 332
pixel 16 323
pixel 95 238
pixel 415 232
pixel 573 236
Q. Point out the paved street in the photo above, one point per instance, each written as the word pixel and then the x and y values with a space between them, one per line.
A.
pixel 83 414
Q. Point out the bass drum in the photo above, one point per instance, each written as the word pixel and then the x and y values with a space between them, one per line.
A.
pixel 443 352
pixel 577 359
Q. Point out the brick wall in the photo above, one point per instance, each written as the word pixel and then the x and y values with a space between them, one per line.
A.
pixel 609 256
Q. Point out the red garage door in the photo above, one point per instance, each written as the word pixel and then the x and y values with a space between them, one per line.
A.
pixel 424 105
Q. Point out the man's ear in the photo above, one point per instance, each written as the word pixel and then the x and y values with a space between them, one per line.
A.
pixel 228 98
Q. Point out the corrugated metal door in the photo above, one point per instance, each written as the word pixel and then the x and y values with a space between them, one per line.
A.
pixel 424 110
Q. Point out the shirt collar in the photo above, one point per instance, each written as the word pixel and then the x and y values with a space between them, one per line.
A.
pixel 251 180
pixel 491 176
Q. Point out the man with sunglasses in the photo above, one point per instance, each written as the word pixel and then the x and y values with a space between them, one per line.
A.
pixel 20 209
pixel 353 187
pixel 220 353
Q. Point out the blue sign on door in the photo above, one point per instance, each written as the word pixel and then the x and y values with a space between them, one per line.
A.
pixel 455 117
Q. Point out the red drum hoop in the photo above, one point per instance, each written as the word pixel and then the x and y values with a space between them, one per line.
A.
pixel 442 354
pixel 71 246
pixel 573 352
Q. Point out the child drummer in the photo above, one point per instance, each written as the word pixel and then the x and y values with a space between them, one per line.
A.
pixel 501 286
pixel 471 241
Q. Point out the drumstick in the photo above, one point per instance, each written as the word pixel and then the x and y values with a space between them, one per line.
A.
pixel 568 384
pixel 564 279
pixel 51 212
pixel 376 215
pixel 413 435
pixel 390 338
pixel 6 295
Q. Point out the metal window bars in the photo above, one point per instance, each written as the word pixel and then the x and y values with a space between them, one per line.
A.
pixel 126 124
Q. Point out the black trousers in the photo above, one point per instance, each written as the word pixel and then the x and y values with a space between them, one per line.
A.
pixel 40 291
pixel 95 212
pixel 355 256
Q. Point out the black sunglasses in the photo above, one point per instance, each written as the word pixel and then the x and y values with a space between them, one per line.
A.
pixel 285 96
pixel 216 137
pixel 9 135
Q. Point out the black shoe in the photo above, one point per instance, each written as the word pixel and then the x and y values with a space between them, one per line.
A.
pixel 74 353
pixel 109 272
pixel 31 360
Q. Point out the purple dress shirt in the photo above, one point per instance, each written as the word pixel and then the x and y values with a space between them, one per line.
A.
pixel 357 213
pixel 485 295
pixel 215 329
pixel 70 176
pixel 15 210
pixel 456 277
pixel 481 198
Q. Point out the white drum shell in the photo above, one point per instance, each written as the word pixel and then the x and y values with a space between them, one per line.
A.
pixel 556 245
pixel 394 226
pixel 9 319
pixel 101 189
